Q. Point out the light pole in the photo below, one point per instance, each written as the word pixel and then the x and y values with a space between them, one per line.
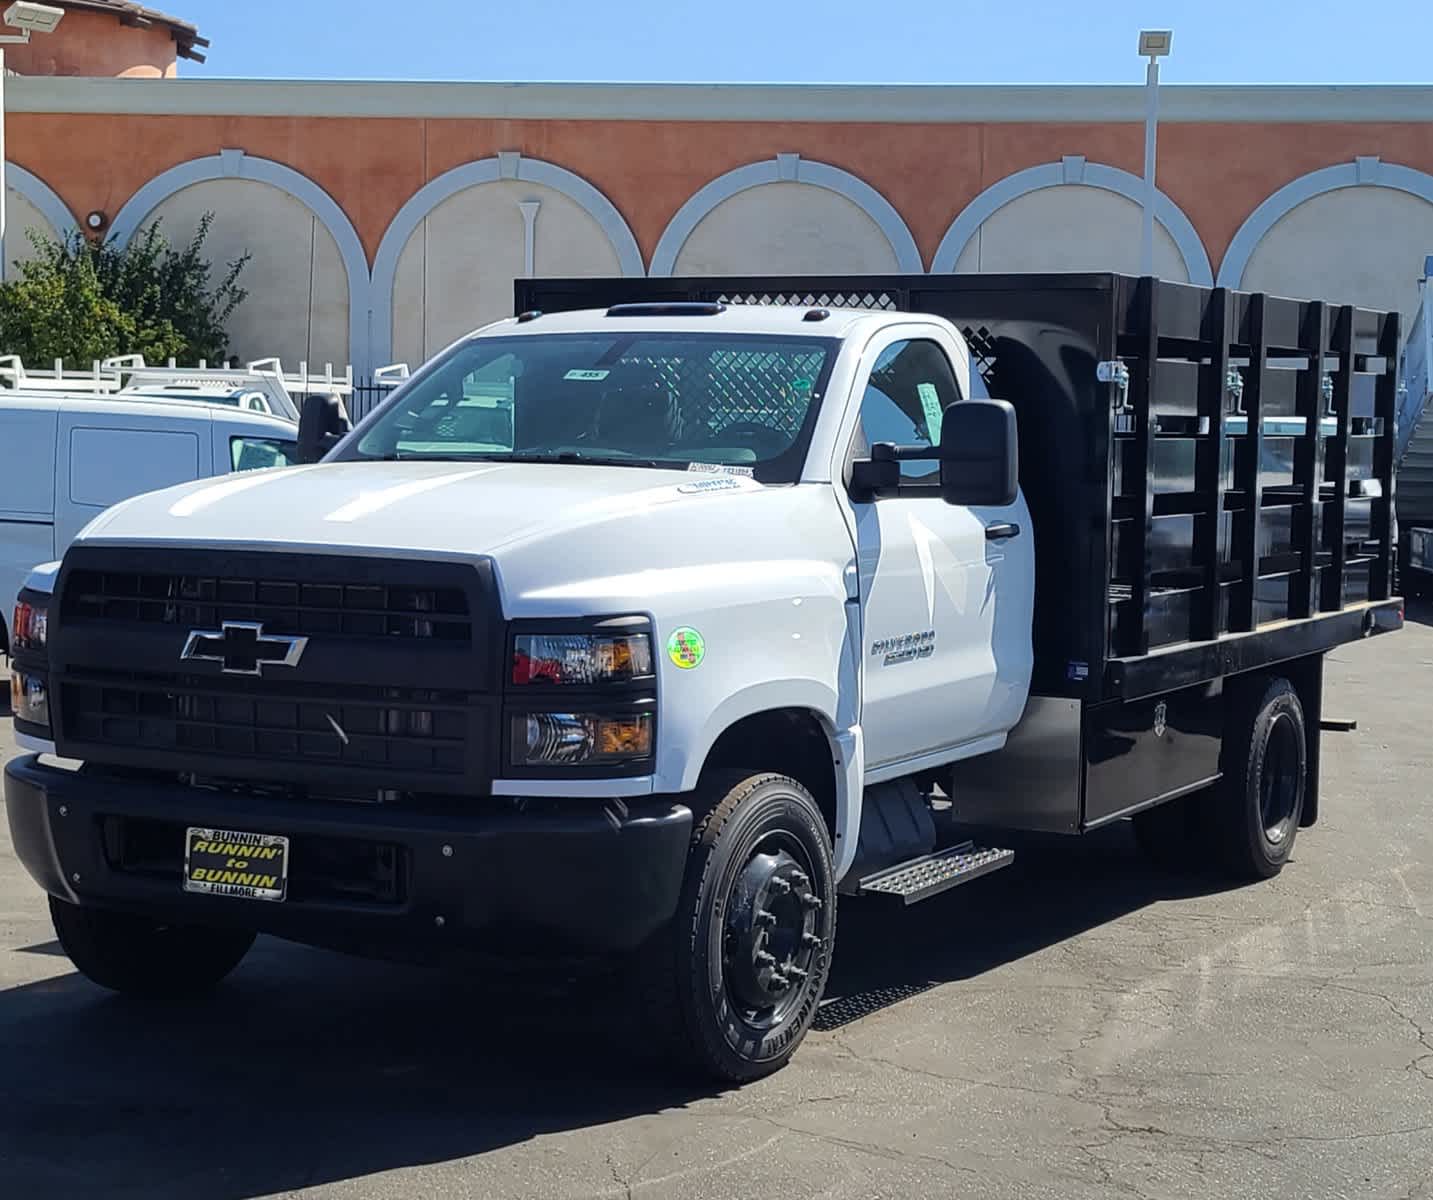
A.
pixel 1154 45
pixel 27 18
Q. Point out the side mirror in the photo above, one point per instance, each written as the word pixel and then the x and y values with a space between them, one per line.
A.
pixel 323 421
pixel 979 454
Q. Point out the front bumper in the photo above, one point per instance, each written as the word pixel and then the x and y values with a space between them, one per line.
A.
pixel 584 878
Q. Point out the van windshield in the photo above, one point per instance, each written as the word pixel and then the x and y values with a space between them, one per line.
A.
pixel 743 403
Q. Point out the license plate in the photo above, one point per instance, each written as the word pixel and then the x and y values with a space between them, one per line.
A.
pixel 223 862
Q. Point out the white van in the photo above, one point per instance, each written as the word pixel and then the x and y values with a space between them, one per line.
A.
pixel 64 459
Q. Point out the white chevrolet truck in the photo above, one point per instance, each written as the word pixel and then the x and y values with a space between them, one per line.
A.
pixel 651 623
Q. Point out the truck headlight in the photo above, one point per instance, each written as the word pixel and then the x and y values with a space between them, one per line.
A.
pixel 568 739
pixel 29 698
pixel 581 658
pixel 29 687
pixel 31 627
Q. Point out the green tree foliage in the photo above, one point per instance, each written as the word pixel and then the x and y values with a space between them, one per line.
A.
pixel 80 300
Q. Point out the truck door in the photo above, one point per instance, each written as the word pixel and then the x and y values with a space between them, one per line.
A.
pixel 947 592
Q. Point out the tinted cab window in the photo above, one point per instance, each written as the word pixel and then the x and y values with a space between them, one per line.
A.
pixel 911 385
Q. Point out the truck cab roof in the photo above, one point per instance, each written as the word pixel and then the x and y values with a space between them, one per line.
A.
pixel 791 320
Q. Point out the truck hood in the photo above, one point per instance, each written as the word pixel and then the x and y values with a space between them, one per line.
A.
pixel 548 526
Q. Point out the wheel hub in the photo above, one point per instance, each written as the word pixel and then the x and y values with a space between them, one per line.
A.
pixel 771 932
pixel 1279 787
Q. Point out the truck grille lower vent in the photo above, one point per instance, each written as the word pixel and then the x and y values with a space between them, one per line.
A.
pixel 407 729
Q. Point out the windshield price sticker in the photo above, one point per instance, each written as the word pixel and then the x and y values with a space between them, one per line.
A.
pixel 587 376
pixel 930 404
pixel 723 469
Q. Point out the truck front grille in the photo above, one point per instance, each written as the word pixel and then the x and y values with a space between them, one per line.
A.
pixel 395 688
pixel 352 609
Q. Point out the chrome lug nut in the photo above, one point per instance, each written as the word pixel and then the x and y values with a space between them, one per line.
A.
pixel 764 917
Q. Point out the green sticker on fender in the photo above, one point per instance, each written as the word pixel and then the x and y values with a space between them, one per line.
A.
pixel 686 648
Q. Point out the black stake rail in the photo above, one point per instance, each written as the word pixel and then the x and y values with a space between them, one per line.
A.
pixel 1385 413
pixel 1166 545
pixel 1309 461
pixel 1248 472
pixel 1336 509
pixel 1209 468
pixel 1141 487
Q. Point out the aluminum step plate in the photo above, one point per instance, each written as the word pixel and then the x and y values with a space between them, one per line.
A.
pixel 924 877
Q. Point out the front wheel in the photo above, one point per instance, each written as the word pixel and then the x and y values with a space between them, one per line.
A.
pixel 147 958
pixel 752 938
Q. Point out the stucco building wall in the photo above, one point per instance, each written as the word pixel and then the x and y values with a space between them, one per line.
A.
pixel 362 250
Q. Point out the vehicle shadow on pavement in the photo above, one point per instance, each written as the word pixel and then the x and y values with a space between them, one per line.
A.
pixel 1057 887
pixel 308 1068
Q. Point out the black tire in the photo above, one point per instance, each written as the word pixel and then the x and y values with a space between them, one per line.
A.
pixel 743 897
pixel 1175 835
pixel 141 957
pixel 1265 765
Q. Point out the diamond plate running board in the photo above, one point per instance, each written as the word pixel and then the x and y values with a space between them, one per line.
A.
pixel 931 874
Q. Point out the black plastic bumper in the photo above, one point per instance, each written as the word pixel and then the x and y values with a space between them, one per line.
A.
pixel 585 878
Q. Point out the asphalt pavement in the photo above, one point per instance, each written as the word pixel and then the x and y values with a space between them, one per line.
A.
pixel 1078 1025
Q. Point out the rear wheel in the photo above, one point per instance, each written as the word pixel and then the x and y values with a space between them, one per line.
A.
pixel 147 958
pixel 1265 766
pixel 749 950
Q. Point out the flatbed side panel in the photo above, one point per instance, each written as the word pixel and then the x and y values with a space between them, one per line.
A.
pixel 1181 666
pixel 1139 753
pixel 1034 783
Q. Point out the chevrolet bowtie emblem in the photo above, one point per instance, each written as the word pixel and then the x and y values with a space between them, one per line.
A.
pixel 243 648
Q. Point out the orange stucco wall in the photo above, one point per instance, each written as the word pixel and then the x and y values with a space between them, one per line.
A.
pixel 94 43
pixel 1216 173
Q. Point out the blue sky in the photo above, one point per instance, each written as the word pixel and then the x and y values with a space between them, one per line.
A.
pixel 885 41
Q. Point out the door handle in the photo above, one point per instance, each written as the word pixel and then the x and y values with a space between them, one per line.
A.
pixel 1001 530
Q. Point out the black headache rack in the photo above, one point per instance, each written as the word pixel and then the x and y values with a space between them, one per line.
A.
pixel 1210 472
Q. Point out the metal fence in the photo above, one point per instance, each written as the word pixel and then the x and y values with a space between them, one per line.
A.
pixel 367 395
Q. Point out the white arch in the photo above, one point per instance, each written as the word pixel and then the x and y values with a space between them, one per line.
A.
pixel 787 168
pixel 43 197
pixel 235 164
pixel 505 165
pixel 1364 171
pixel 1073 169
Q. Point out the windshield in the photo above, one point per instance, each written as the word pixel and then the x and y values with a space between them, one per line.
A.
pixel 743 403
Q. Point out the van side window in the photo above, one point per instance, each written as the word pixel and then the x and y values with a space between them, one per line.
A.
pixel 910 387
pixel 257 454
